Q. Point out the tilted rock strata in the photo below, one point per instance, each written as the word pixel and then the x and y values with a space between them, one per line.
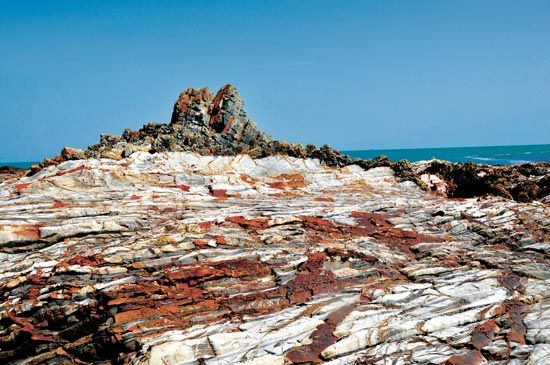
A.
pixel 180 258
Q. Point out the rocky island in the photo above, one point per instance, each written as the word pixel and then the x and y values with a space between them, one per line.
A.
pixel 206 241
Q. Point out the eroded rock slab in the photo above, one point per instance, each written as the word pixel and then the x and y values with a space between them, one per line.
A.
pixel 181 258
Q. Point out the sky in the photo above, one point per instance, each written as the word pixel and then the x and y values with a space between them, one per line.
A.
pixel 353 74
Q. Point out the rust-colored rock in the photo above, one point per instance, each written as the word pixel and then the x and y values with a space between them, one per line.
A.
pixel 484 334
pixel 472 357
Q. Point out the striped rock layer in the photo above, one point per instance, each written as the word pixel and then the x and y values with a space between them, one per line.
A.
pixel 177 258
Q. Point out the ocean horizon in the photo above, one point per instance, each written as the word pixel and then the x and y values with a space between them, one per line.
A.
pixel 491 155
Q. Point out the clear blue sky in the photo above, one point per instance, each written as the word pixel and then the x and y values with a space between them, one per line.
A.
pixel 354 74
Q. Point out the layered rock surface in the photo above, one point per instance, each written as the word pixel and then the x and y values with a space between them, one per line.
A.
pixel 180 258
pixel 205 241
pixel 218 125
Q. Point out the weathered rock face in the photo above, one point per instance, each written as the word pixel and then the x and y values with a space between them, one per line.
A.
pixel 10 172
pixel 523 183
pixel 180 258
pixel 218 125
pixel 527 182
pixel 191 108
pixel 203 123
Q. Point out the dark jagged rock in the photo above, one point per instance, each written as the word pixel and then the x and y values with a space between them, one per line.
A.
pixel 523 183
pixel 10 172
pixel 204 123
pixel 207 124
pixel 403 169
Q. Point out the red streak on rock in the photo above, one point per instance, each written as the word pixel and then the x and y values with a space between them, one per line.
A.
pixel 133 315
pixel 229 124
pixel 42 338
pixel 220 240
pixel 29 231
pixel 201 243
pixel 253 223
pixel 228 268
pixel 512 282
pixel 94 260
pixel 58 204
pixel 276 185
pixel 320 225
pixel 76 169
pixel 322 338
pixel 135 197
pixel 311 280
pixel 245 178
pixel 484 334
pixel 377 226
pixel 450 262
pixel 21 186
pixel 288 180
pixel 498 246
pixel 184 187
pixel 205 225
pixel 219 193
pixel 472 357
pixel 323 199
pixel 516 312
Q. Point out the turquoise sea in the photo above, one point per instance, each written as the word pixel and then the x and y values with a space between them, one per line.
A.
pixel 493 155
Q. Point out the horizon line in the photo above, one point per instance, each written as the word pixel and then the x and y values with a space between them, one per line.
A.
pixel 451 147
pixel 370 149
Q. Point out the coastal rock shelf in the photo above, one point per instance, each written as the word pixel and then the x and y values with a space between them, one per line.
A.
pixel 217 125
pixel 179 258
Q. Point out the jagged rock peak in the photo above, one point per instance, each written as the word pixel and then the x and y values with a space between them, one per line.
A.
pixel 222 114
pixel 206 124
pixel 192 107
pixel 218 125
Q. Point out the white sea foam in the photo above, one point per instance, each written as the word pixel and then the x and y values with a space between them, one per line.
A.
pixel 498 160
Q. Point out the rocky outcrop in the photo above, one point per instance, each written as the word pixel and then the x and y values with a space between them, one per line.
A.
pixel 10 172
pixel 523 183
pixel 218 125
pixel 206 124
pixel 179 258
pixel 205 241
